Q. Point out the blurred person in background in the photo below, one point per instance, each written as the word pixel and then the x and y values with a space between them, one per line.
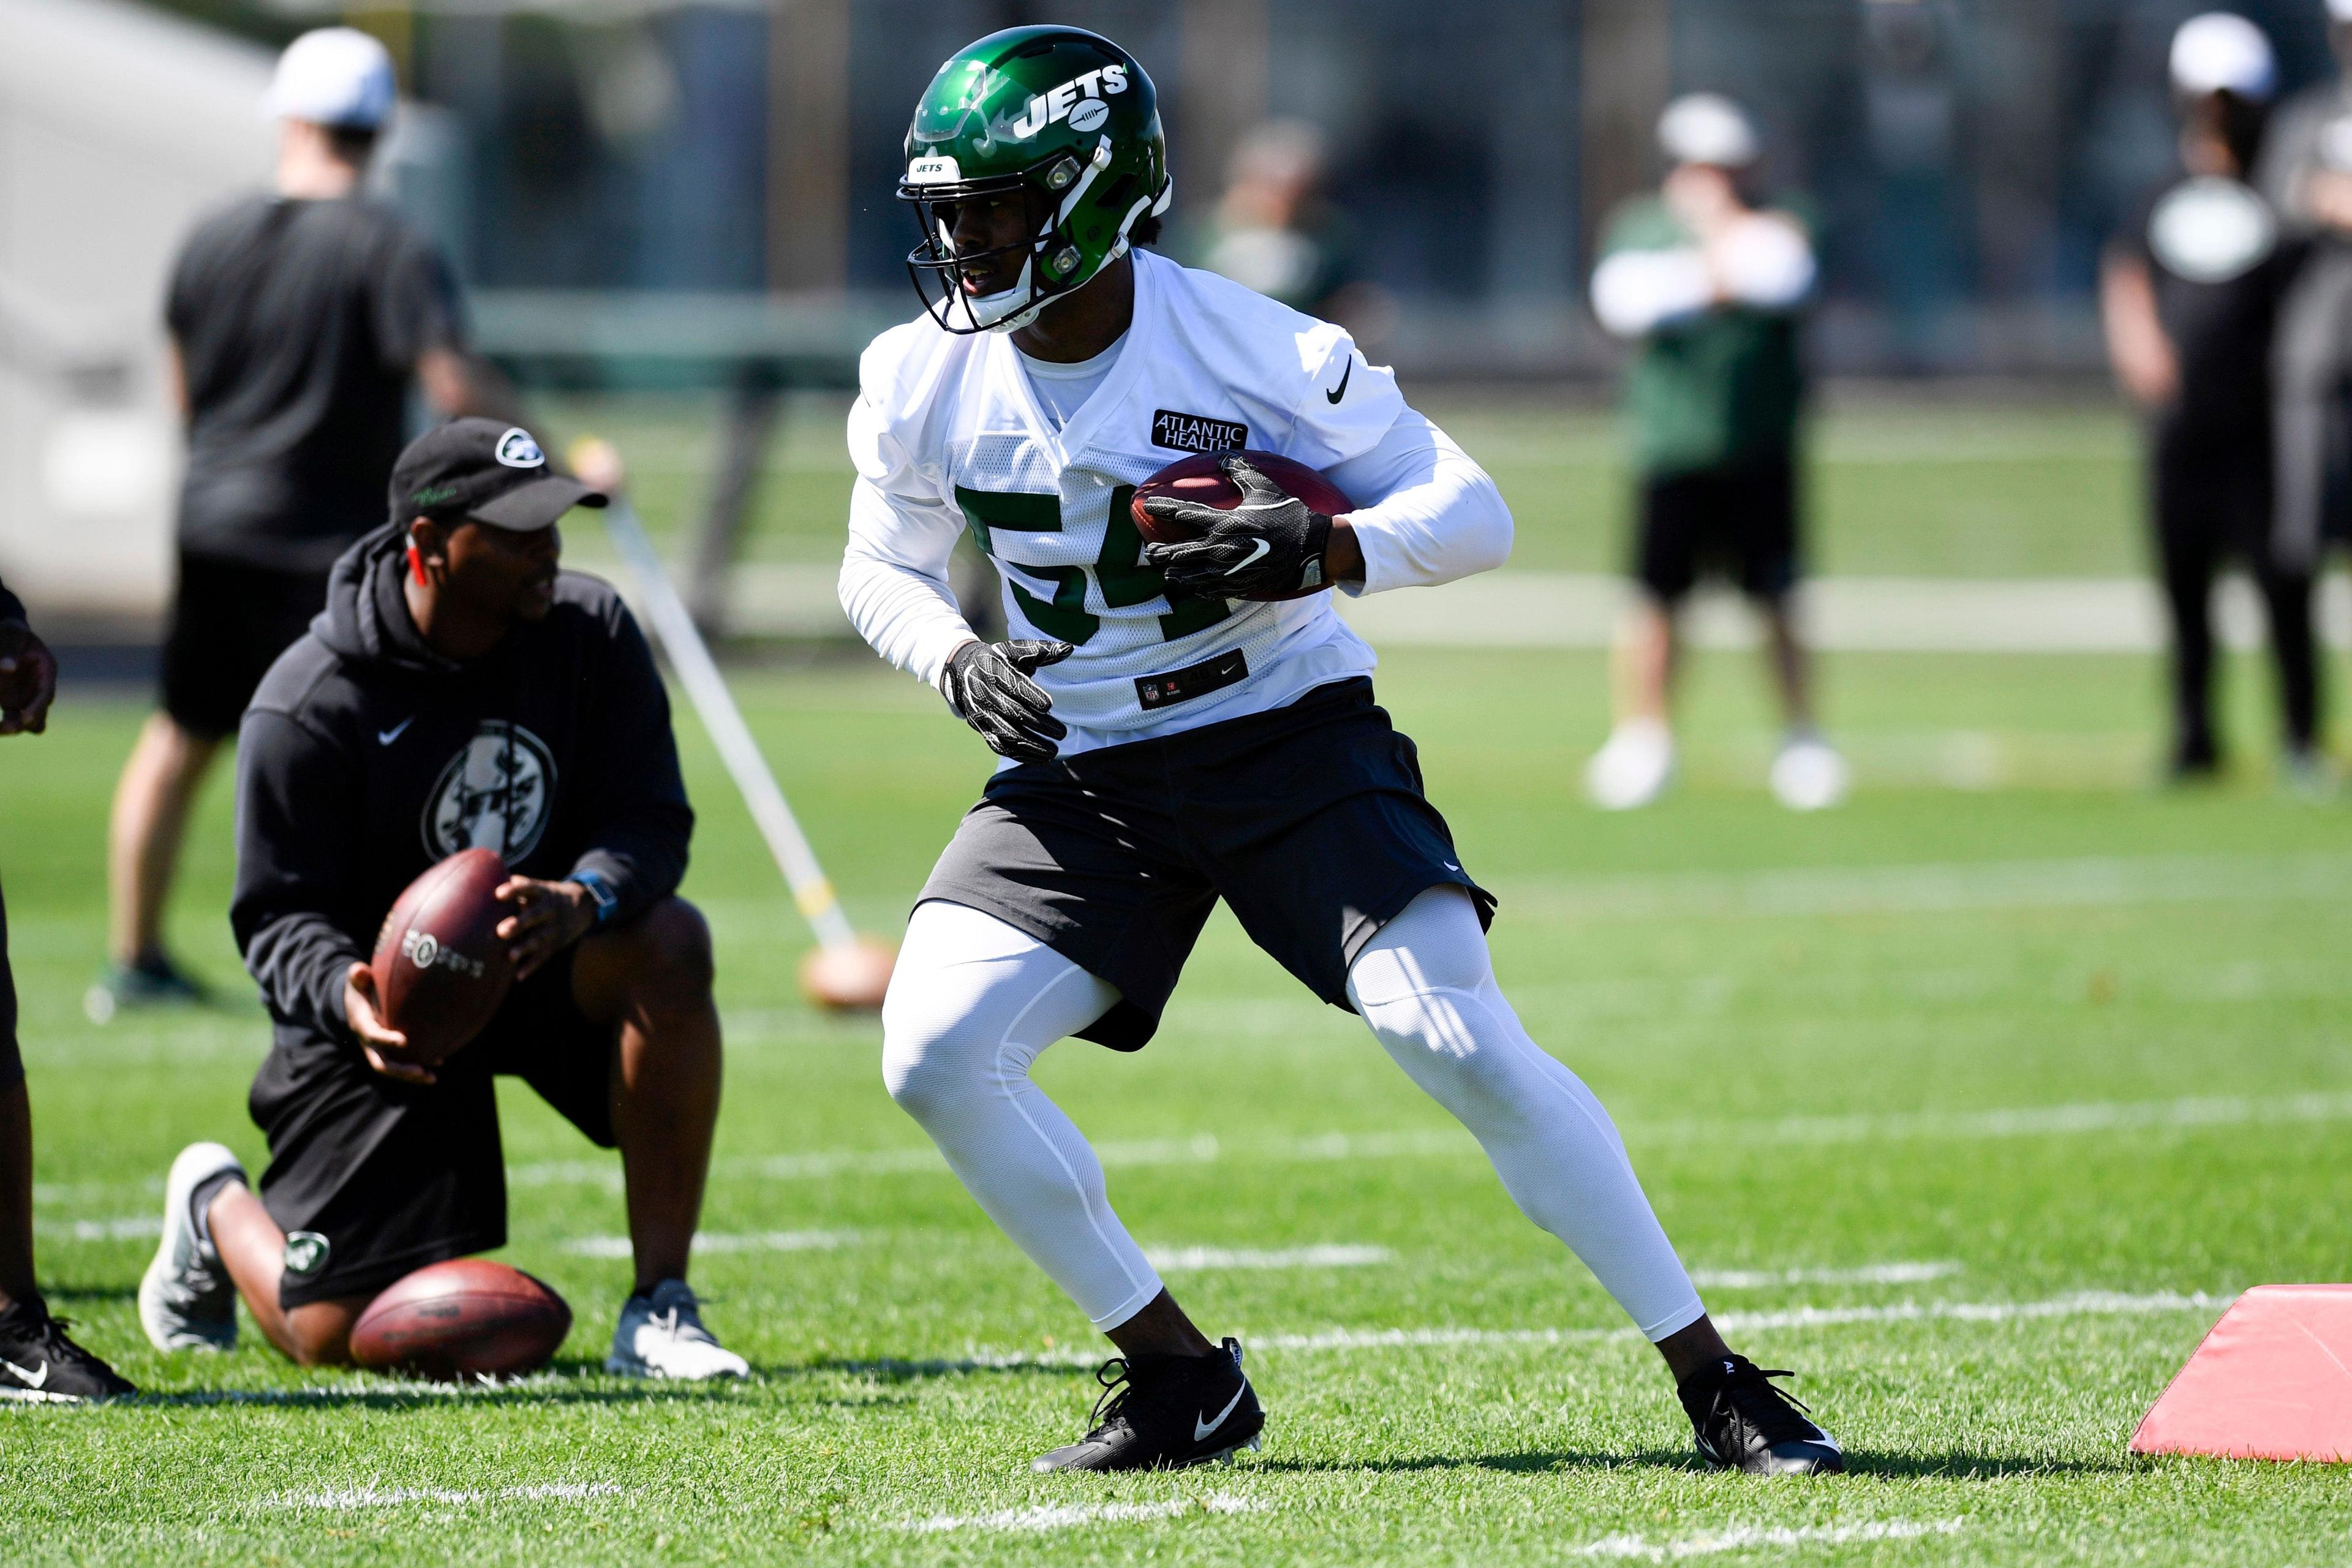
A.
pixel 2190 290
pixel 299 319
pixel 1709 282
pixel 37 1363
pixel 2305 171
pixel 1276 231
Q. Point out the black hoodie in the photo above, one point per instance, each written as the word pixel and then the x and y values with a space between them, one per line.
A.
pixel 366 757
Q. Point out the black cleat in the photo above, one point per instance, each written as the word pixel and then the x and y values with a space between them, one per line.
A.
pixel 1743 1423
pixel 39 1363
pixel 1165 1412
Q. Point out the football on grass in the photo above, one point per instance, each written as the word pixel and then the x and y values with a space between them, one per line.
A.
pixel 1198 479
pixel 467 1318
pixel 440 969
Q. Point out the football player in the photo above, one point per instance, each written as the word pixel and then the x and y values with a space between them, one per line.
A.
pixel 38 1362
pixel 1708 282
pixel 1171 738
pixel 2190 290
pixel 459 692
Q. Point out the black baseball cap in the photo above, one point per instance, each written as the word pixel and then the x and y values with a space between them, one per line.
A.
pixel 485 471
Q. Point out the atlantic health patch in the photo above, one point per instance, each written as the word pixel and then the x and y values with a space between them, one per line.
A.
pixel 1196 432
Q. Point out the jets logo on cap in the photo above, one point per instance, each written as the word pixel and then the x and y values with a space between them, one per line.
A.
pixel 517 450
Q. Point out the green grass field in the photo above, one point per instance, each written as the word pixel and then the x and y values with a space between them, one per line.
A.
pixel 1973 1101
pixel 1896 488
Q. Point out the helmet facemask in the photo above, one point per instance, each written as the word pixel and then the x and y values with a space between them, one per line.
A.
pixel 1052 263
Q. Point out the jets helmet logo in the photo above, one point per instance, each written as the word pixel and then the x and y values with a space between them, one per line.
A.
pixel 1079 101
pixel 495 794
pixel 516 450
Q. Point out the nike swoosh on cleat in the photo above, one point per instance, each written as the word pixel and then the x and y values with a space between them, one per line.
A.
pixel 1340 390
pixel 1203 1428
pixel 387 737
pixel 40 1379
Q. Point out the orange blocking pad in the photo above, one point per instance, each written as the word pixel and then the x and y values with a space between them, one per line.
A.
pixel 2273 1381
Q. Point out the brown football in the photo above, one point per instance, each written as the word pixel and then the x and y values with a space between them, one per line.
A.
pixel 1198 478
pixel 467 1318
pixel 440 969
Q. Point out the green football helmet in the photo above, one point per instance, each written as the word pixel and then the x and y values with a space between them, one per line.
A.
pixel 1066 121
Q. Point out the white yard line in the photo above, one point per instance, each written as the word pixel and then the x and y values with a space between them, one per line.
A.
pixel 1747 1537
pixel 348 1497
pixel 2081 1303
pixel 1869 1274
pixel 2021 1121
pixel 722 1241
pixel 1066 1516
pixel 1188 1259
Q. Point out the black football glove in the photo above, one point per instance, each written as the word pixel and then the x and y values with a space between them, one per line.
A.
pixel 988 685
pixel 1270 543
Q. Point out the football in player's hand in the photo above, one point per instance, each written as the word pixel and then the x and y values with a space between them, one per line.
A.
pixel 440 969
pixel 1198 479
pixel 467 1318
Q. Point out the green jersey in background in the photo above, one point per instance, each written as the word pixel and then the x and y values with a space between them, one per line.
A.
pixel 1717 390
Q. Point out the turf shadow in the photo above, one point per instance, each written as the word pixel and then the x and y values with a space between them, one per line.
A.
pixel 1965 1466
pixel 892 1369
pixel 90 1292
pixel 1529 1462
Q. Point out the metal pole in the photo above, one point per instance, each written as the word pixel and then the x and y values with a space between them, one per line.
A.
pixel 707 688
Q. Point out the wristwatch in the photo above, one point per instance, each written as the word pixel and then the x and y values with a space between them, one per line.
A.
pixel 600 892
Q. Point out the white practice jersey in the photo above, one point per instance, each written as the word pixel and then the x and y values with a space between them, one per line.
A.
pixel 949 438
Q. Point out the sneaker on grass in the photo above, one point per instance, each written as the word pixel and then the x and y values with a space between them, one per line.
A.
pixel 153 981
pixel 1634 768
pixel 1165 1411
pixel 41 1365
pixel 186 1300
pixel 1742 1422
pixel 661 1335
pixel 1807 774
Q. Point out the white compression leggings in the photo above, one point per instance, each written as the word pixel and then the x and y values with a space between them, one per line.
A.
pixel 973 1003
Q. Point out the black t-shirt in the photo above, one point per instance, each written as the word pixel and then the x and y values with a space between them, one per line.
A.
pixel 299 324
pixel 2219 260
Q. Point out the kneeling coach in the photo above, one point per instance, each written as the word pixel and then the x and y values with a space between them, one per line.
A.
pixel 457 692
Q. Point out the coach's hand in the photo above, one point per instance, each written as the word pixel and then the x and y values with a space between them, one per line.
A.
pixel 382 1046
pixel 548 917
pixel 988 685
pixel 1271 543
pixel 28 680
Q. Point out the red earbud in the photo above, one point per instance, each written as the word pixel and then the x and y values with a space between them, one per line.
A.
pixel 416 565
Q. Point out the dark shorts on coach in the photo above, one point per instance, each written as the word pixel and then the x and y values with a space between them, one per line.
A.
pixel 1310 821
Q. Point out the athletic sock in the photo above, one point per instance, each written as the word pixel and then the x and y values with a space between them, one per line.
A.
pixel 201 1200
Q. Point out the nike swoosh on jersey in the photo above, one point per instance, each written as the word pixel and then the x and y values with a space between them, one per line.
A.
pixel 1203 1428
pixel 40 1379
pixel 1340 390
pixel 387 737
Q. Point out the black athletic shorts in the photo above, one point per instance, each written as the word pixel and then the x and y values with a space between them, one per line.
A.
pixel 1740 521
pixel 229 623
pixel 12 1061
pixel 396 1176
pixel 1309 820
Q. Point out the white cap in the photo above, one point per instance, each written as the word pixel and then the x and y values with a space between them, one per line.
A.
pixel 334 75
pixel 2218 52
pixel 1708 128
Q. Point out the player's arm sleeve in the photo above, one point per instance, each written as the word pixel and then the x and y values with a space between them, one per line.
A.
pixel 634 794
pixel 894 571
pixel 296 851
pixel 1765 263
pixel 1436 514
pixel 1636 292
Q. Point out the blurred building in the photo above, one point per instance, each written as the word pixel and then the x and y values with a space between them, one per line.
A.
pixel 1964 158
